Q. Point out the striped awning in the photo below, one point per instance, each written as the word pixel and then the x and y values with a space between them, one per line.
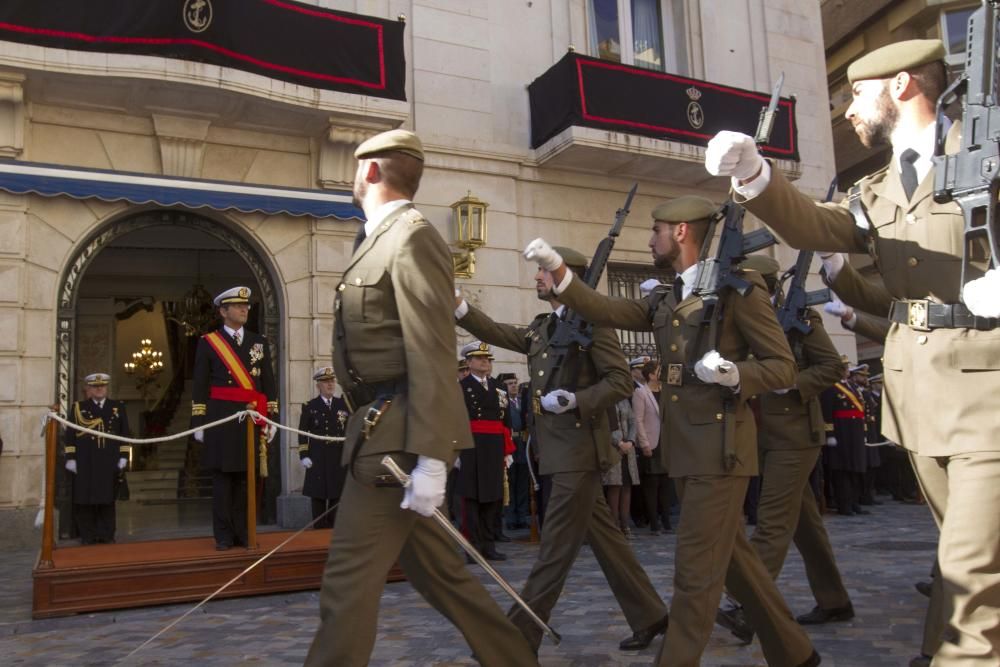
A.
pixel 51 180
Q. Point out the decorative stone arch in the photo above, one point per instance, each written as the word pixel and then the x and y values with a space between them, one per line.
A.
pixel 242 244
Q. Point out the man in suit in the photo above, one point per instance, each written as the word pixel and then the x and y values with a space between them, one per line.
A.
pixel 95 462
pixel 943 333
pixel 324 415
pixel 790 437
pixel 232 368
pixel 394 354
pixel 707 427
pixel 480 476
pixel 575 445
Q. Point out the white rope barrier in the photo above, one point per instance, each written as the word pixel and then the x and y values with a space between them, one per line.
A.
pixel 241 415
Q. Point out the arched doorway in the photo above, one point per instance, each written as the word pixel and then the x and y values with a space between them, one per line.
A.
pixel 150 276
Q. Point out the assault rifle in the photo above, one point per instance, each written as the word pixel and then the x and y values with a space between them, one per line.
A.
pixel 792 313
pixel 971 177
pixel 716 274
pixel 571 328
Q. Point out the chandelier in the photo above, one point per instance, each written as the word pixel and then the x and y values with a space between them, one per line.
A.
pixel 146 365
pixel 194 312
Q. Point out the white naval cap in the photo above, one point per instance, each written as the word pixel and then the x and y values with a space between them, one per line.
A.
pixel 324 373
pixel 477 348
pixel 639 362
pixel 97 379
pixel 240 294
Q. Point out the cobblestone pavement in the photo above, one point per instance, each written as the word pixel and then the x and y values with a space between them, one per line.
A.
pixel 881 556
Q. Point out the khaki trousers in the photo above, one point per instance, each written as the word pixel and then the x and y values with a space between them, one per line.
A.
pixel 372 533
pixel 577 511
pixel 963 493
pixel 787 511
pixel 712 552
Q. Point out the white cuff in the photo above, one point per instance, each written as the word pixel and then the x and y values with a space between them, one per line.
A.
pixel 756 186
pixel 462 310
pixel 850 321
pixel 832 265
pixel 564 283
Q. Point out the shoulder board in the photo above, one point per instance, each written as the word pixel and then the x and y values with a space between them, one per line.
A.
pixel 412 216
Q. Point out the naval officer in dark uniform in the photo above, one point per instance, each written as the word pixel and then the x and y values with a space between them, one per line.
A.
pixel 324 415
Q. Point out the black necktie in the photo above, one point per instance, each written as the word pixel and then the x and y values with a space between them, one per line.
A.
pixel 359 238
pixel 679 288
pixel 908 171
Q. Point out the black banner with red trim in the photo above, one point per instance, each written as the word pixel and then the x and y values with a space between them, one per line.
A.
pixel 281 39
pixel 579 90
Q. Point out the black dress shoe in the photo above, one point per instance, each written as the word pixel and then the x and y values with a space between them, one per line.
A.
pixel 860 510
pixel 818 615
pixel 924 588
pixel 222 546
pixel 811 661
pixel 495 555
pixel 735 621
pixel 643 638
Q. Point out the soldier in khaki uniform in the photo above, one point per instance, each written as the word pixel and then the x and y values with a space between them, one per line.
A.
pixel 394 347
pixel 575 445
pixel 790 437
pixel 939 352
pixel 708 429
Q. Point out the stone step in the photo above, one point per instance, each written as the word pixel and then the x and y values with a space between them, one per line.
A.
pixel 153 484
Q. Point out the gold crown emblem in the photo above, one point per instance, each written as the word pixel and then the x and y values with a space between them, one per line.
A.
pixel 244 293
pixel 693 93
pixel 483 347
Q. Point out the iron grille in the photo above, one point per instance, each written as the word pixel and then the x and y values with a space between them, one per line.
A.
pixel 624 281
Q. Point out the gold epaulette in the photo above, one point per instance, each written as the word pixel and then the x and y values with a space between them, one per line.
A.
pixel 198 409
pixel 71 449
pixel 272 407
pixel 304 448
pixel 829 428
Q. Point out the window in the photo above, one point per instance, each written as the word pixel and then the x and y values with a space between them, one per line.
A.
pixel 624 281
pixel 644 33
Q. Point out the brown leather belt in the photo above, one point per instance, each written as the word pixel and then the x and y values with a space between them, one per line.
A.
pixel 924 315
pixel 366 392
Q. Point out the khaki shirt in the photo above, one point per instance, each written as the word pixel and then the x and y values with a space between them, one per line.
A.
pixel 697 428
pixel 942 387
pixel 396 305
pixel 578 440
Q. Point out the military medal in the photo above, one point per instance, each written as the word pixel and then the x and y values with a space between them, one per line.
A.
pixel 256 353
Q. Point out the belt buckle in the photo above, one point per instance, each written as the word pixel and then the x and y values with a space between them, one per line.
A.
pixel 373 415
pixel 675 375
pixel 918 314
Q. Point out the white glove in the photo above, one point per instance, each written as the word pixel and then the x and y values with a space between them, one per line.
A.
pixel 199 435
pixel 982 295
pixel 831 441
pixel 540 252
pixel 270 431
pixel 508 461
pixel 458 463
pixel 732 154
pixel 425 493
pixel 782 392
pixel 71 466
pixel 713 369
pixel 648 285
pixel 122 462
pixel 833 262
pixel 551 402
pixel 306 462
pixel 838 308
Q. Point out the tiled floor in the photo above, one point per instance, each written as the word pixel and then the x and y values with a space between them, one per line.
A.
pixel 880 556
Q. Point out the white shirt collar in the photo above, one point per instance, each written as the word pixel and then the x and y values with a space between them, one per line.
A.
pixel 559 311
pixel 922 142
pixel 688 275
pixel 233 332
pixel 99 402
pixel 380 214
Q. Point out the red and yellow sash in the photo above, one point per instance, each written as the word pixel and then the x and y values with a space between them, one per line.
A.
pixel 851 396
pixel 246 392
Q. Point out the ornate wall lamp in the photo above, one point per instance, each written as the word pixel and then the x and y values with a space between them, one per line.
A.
pixel 470 233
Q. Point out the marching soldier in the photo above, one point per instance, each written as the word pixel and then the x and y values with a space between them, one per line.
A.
pixel 232 368
pixel 707 426
pixel 575 444
pixel 94 461
pixel 394 354
pixel 790 438
pixel 481 469
pixel 937 342
pixel 324 415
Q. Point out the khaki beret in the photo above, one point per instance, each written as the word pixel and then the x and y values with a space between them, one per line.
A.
pixel 688 208
pixel 571 257
pixel 402 141
pixel 889 60
pixel 762 264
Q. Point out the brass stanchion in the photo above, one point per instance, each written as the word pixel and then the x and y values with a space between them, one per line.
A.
pixel 251 483
pixel 48 521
